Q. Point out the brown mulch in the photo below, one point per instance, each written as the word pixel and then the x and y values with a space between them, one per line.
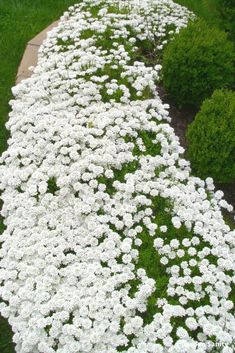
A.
pixel 180 119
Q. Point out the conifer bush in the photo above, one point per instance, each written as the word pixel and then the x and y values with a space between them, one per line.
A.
pixel 212 138
pixel 199 60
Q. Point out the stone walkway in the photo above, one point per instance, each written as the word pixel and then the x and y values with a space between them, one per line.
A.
pixel 30 56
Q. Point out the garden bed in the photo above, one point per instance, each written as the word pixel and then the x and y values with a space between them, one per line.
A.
pixel 111 244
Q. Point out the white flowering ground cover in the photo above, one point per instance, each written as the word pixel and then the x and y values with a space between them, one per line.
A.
pixel 111 245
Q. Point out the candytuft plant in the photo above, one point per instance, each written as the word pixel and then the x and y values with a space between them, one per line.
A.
pixel 110 244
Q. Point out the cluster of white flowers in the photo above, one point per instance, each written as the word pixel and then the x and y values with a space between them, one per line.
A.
pixel 92 174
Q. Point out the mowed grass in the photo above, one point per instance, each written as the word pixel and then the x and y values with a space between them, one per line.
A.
pixel 20 21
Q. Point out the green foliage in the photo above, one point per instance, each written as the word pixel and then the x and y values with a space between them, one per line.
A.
pixel 220 13
pixel 6 344
pixel 199 60
pixel 206 9
pixel 227 12
pixel 52 187
pixel 212 138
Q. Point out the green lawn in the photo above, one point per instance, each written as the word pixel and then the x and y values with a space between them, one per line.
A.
pixel 20 20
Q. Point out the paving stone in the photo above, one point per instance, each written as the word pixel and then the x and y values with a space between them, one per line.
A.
pixel 29 59
pixel 30 56
pixel 42 35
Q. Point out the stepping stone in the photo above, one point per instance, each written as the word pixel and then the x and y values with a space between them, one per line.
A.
pixel 30 56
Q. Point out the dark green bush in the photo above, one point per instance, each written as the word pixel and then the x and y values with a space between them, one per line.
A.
pixel 199 60
pixel 227 12
pixel 211 138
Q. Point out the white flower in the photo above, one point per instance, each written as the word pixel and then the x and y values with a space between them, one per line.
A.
pixel 191 323
pixel 174 243
pixel 163 229
pixel 83 198
pixel 176 222
pixel 182 333
pixel 158 242
pixel 180 253
pixel 164 260
pixel 227 350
